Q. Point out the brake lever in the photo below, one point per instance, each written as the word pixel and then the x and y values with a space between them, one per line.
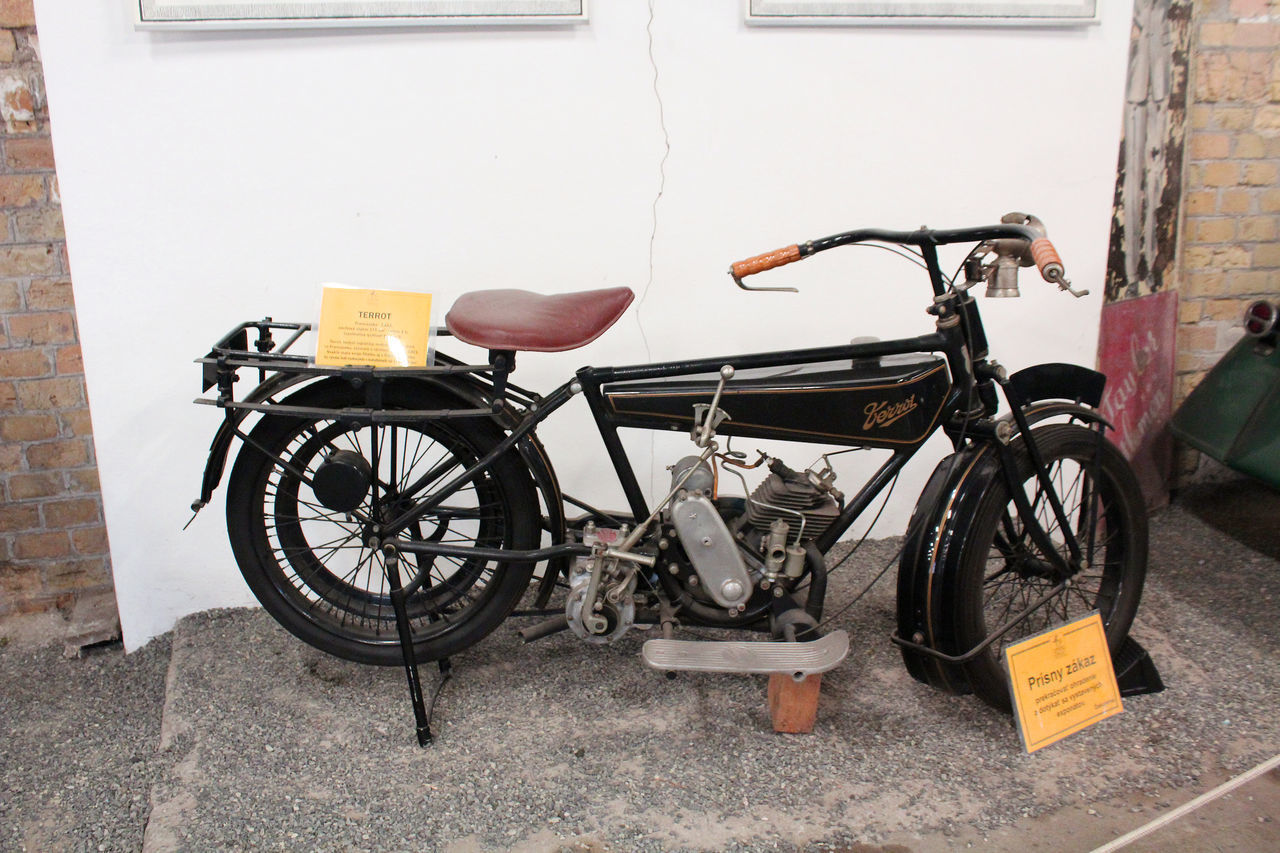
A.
pixel 738 281
pixel 1055 276
pixel 1065 284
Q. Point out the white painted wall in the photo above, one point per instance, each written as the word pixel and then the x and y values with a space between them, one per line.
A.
pixel 209 178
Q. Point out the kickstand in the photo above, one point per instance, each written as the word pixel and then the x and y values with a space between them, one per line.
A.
pixel 420 713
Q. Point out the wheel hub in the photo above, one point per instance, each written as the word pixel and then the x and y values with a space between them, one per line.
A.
pixel 341 481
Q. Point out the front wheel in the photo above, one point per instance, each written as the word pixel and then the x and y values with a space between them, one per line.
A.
pixel 1003 571
pixel 317 570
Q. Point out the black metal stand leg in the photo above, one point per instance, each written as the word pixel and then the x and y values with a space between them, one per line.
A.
pixel 1136 673
pixel 392 563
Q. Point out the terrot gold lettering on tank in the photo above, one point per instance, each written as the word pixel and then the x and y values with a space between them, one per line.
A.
pixel 886 411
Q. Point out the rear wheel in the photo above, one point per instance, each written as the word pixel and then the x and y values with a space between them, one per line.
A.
pixel 1003 571
pixel 316 570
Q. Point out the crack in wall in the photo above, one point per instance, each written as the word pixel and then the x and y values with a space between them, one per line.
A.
pixel 653 231
pixel 662 177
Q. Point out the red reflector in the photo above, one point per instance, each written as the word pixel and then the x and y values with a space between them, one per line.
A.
pixel 1259 318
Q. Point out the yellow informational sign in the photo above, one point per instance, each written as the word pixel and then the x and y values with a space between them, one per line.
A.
pixel 1063 681
pixel 374 328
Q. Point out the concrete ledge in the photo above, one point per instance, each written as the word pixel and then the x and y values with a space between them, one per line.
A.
pixel 91 620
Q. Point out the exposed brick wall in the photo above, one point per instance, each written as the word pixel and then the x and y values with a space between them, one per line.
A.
pixel 53 543
pixel 1231 207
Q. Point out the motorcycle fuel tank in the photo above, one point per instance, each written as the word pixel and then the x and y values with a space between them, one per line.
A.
pixel 887 403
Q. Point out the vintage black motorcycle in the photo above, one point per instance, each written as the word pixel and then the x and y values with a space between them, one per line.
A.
pixel 391 516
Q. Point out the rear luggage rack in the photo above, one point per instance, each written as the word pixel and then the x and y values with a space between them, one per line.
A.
pixel 266 355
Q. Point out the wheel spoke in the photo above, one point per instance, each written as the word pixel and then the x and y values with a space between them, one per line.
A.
pixel 315 558
pixel 1007 571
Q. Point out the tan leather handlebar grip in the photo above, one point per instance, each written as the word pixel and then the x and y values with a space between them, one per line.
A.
pixel 1047 260
pixel 767 261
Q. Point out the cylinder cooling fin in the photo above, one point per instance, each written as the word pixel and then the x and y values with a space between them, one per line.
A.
pixel 787 496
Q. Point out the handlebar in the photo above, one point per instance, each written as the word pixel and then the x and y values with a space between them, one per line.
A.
pixel 1042 251
pixel 1047 261
pixel 767 261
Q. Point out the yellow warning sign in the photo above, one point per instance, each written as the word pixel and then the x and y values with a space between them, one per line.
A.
pixel 1063 681
pixel 373 328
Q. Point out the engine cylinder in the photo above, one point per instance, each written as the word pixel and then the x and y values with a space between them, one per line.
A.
pixel 787 496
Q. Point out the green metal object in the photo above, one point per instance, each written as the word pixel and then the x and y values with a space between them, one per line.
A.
pixel 1233 415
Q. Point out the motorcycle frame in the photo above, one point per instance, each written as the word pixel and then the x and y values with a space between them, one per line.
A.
pixel 959 337
pixel 587 381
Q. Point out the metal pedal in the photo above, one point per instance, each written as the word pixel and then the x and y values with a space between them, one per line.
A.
pixel 794 659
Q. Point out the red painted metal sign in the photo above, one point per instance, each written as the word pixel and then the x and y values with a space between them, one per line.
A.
pixel 1136 350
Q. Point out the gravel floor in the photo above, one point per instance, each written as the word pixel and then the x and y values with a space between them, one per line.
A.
pixel 78 751
pixel 560 746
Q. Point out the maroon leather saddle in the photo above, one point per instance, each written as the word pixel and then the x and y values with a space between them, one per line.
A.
pixel 523 321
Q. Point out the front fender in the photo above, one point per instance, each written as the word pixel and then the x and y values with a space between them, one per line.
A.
pixel 939 523
pixel 926 585
pixel 1057 381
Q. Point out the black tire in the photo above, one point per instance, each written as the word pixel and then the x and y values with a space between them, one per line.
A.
pixel 1002 571
pixel 312 568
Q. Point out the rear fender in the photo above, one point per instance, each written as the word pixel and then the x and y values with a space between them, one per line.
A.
pixel 221 444
pixel 469 391
pixel 477 394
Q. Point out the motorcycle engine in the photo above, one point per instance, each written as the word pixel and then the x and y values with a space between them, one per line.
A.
pixel 731 554
pixel 733 546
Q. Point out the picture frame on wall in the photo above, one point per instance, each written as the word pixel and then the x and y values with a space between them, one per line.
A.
pixel 273 14
pixel 922 12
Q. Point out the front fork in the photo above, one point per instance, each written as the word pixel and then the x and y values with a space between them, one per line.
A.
pixel 1027 514
pixel 959 321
